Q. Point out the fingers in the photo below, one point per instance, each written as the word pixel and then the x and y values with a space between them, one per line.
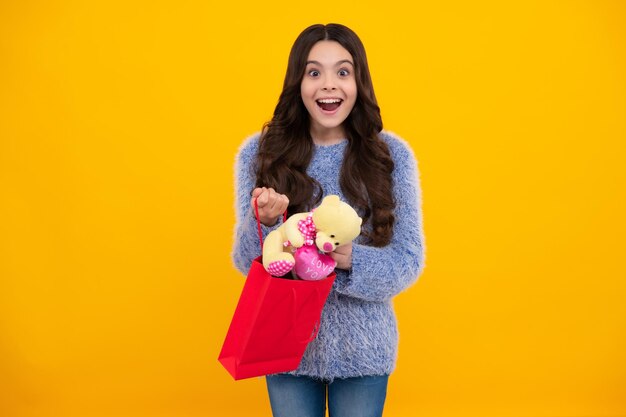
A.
pixel 257 192
pixel 263 198
pixel 272 197
pixel 343 260
pixel 284 204
pixel 345 249
pixel 255 195
pixel 279 204
pixel 270 202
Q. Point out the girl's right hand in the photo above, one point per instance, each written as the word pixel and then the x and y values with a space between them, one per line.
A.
pixel 271 204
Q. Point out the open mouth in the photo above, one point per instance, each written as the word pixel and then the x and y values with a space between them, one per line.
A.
pixel 329 105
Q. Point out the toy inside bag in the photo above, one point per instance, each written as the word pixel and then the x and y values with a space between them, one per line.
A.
pixel 302 243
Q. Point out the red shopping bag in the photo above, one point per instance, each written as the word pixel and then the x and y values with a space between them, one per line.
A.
pixel 273 323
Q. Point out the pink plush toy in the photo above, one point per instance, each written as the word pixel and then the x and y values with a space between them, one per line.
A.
pixel 311 264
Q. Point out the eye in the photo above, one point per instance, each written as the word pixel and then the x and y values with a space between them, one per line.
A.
pixel 344 72
pixel 332 236
pixel 314 73
pixel 336 243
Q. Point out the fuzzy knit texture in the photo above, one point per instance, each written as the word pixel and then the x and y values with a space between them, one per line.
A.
pixel 358 332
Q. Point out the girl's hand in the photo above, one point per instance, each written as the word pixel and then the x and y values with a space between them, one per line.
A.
pixel 343 256
pixel 271 205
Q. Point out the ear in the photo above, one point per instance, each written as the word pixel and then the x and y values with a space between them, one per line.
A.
pixel 332 200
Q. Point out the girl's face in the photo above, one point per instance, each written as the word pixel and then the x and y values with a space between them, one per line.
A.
pixel 328 89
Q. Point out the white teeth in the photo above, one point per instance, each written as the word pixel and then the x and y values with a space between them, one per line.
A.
pixel 329 100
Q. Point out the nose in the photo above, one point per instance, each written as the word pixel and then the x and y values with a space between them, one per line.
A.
pixel 329 84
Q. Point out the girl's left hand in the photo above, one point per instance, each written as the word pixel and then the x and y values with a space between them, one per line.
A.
pixel 343 256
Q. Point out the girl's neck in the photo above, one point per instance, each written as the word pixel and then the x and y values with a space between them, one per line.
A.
pixel 328 136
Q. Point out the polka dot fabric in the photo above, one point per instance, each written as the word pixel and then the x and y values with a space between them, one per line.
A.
pixel 280 268
pixel 307 228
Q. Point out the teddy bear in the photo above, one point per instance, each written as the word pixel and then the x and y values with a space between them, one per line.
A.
pixel 304 240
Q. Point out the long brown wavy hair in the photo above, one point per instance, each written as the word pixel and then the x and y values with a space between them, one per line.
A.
pixel 286 146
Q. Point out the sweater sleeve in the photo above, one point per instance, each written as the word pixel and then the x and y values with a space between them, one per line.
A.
pixel 246 245
pixel 378 274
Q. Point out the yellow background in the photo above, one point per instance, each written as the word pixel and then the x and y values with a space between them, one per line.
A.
pixel 119 122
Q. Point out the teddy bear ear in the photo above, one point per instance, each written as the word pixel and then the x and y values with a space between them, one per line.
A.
pixel 331 199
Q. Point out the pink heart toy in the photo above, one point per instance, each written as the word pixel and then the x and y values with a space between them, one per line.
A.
pixel 311 265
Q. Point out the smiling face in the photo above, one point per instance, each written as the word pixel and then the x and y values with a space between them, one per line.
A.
pixel 328 90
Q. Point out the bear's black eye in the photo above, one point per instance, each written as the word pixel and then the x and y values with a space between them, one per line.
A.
pixel 332 236
pixel 336 243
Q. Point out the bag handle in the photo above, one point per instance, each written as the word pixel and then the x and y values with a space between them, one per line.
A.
pixel 258 221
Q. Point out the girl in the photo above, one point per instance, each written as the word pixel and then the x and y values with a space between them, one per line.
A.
pixel 326 137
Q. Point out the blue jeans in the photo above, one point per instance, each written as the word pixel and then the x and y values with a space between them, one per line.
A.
pixel 301 396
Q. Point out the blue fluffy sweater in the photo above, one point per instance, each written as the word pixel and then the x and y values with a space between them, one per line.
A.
pixel 358 331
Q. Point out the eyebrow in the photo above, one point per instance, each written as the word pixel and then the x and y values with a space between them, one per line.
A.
pixel 337 64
